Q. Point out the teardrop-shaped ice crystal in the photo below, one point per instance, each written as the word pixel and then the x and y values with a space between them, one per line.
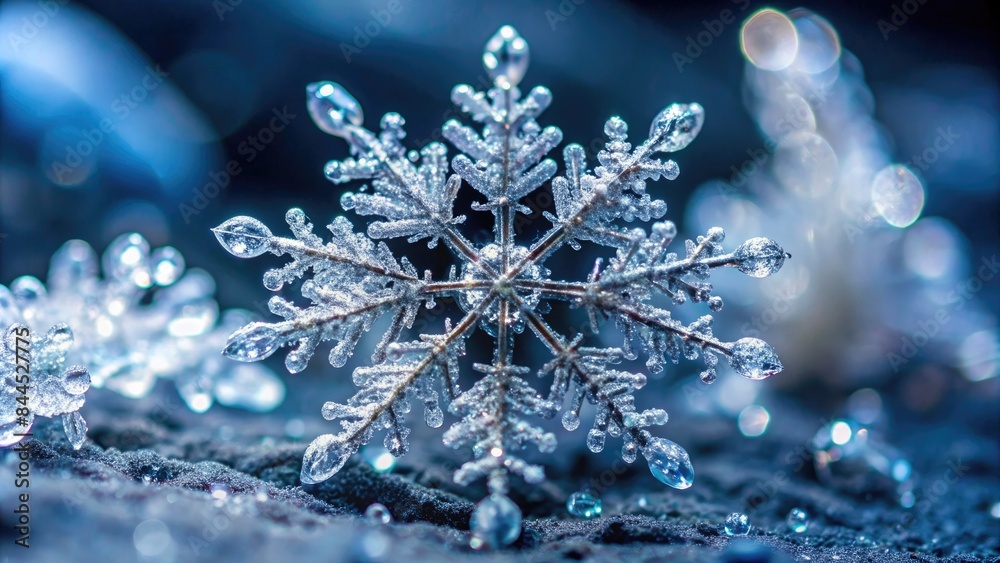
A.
pixel 496 521
pixel 73 263
pixel 754 359
pixel 167 265
pixel 75 428
pixel 76 380
pixel 332 108
pixel 669 463
pixel 58 341
pixel 676 126
pixel 506 57
pixel 244 237
pixel 29 292
pixel 252 343
pixel 324 457
pixel 127 259
pixel 759 257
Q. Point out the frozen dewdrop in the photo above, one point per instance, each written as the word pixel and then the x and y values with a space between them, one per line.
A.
pixel 244 237
pixel 506 57
pixel 676 126
pixel 583 505
pixel 332 108
pixel 377 513
pixel 669 463
pixel 759 257
pixel 754 359
pixel 737 524
pixel 797 520
pixel 496 522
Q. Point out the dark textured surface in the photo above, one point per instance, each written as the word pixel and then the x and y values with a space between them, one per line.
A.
pixel 153 460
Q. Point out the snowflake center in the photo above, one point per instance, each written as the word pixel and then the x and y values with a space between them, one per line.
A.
pixel 502 287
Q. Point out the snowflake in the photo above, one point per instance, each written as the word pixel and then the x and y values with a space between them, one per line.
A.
pixel 146 319
pixel 502 286
pixel 35 382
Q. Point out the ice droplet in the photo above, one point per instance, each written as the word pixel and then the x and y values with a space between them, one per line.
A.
pixel 506 57
pixel 167 265
pixel 669 463
pixel 798 520
pixel 676 126
pixel 584 505
pixel 76 380
pixel 378 513
pixel 75 428
pixel 243 237
pixel 73 263
pixel 332 108
pixel 323 458
pixel 759 257
pixel 496 521
pixel 754 359
pixel 898 195
pixel 58 340
pixel 127 258
pixel 737 524
pixel 252 343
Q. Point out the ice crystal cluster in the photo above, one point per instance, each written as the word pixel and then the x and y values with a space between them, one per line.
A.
pixel 823 177
pixel 145 319
pixel 35 380
pixel 501 287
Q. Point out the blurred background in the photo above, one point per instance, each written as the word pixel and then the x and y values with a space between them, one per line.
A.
pixel 862 136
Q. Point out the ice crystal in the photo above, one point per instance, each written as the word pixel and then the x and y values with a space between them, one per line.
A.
pixel 502 286
pixel 145 319
pixel 35 381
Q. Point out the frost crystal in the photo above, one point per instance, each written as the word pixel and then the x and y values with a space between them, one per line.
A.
pixel 35 381
pixel 501 286
pixel 145 319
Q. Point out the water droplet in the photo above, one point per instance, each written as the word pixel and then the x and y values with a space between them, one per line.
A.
pixel 58 340
pixel 737 524
pixel 251 343
pixel 759 257
pixel 898 195
pixel 584 505
pixel 378 513
pixel 798 520
pixel 669 463
pixel 595 440
pixel 676 125
pixel 754 359
pixel 75 428
pixel 506 57
pixel 571 420
pixel 769 40
pixel 496 521
pixel 715 303
pixel 244 237
pixel 167 265
pixel 332 108
pixel 323 458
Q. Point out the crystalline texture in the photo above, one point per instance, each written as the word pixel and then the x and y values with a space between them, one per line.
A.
pixel 500 285
pixel 146 318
